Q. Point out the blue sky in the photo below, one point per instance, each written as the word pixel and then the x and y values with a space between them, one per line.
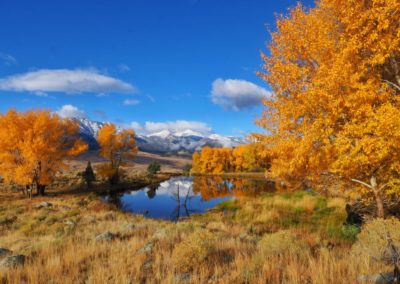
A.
pixel 138 61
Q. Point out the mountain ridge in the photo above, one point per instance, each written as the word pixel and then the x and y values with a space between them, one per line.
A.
pixel 163 142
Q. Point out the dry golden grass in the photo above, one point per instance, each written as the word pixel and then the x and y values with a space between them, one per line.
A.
pixel 169 163
pixel 270 239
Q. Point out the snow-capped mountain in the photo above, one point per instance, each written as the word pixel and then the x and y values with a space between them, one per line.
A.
pixel 88 131
pixel 165 141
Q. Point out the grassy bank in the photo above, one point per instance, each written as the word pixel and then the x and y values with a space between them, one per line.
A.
pixel 275 238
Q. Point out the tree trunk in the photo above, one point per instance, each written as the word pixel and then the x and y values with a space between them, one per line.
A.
pixel 40 189
pixel 380 210
pixel 396 273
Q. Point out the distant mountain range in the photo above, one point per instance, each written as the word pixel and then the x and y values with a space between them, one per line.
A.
pixel 163 142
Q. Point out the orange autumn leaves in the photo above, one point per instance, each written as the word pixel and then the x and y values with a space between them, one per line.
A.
pixel 244 158
pixel 34 146
pixel 335 72
pixel 116 146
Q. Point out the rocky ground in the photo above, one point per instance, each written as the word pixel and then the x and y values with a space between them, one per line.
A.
pixel 276 238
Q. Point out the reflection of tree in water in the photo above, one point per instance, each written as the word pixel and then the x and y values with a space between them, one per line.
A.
pixel 218 186
pixel 151 192
pixel 115 199
pixel 182 203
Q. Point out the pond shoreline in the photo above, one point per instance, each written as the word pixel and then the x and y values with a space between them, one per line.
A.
pixel 136 184
pixel 186 195
pixel 233 174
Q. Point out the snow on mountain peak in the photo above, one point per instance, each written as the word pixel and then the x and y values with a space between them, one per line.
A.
pixel 164 141
pixel 162 134
pixel 188 132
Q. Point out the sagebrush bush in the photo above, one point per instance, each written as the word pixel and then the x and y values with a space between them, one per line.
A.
pixel 373 241
pixel 193 250
pixel 282 243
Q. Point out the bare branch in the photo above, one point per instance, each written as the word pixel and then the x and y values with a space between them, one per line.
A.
pixel 392 84
pixel 383 186
pixel 361 182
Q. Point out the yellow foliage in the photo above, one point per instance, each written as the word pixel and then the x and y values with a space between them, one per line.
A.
pixel 34 145
pixel 115 146
pixel 223 160
pixel 335 72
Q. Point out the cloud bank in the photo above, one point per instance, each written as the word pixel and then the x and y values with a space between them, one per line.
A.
pixel 70 111
pixel 65 81
pixel 237 95
pixel 172 127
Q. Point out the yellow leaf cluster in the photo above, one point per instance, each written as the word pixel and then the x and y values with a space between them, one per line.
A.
pixel 223 160
pixel 335 72
pixel 34 146
pixel 116 146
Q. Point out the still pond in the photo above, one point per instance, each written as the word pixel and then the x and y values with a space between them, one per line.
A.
pixel 180 197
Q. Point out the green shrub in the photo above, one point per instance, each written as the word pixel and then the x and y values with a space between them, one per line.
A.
pixel 228 205
pixel 186 169
pixel 350 232
pixel 88 175
pixel 153 168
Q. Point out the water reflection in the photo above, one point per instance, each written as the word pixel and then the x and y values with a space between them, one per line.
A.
pixel 181 197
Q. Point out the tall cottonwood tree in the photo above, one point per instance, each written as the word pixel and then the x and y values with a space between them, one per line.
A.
pixel 115 146
pixel 34 146
pixel 335 72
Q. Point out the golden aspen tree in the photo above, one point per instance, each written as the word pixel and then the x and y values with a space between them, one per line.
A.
pixel 34 146
pixel 335 72
pixel 196 160
pixel 247 157
pixel 116 146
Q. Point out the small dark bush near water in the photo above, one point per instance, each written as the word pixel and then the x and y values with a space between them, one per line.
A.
pixel 153 168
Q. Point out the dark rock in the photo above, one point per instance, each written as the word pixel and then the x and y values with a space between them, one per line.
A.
pixel 106 236
pixel 64 208
pixel 4 252
pixel 128 228
pixel 353 216
pixel 12 261
pixel 243 235
pixel 147 264
pixel 69 223
pixel 378 278
pixel 148 248
pixel 182 278
pixel 43 205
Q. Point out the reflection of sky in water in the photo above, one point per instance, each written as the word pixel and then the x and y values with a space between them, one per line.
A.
pixel 175 198
pixel 171 200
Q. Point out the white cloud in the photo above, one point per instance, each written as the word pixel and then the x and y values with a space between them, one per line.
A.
pixel 7 59
pixel 65 81
pixel 136 126
pixel 67 111
pixel 236 95
pixel 130 102
pixel 172 127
